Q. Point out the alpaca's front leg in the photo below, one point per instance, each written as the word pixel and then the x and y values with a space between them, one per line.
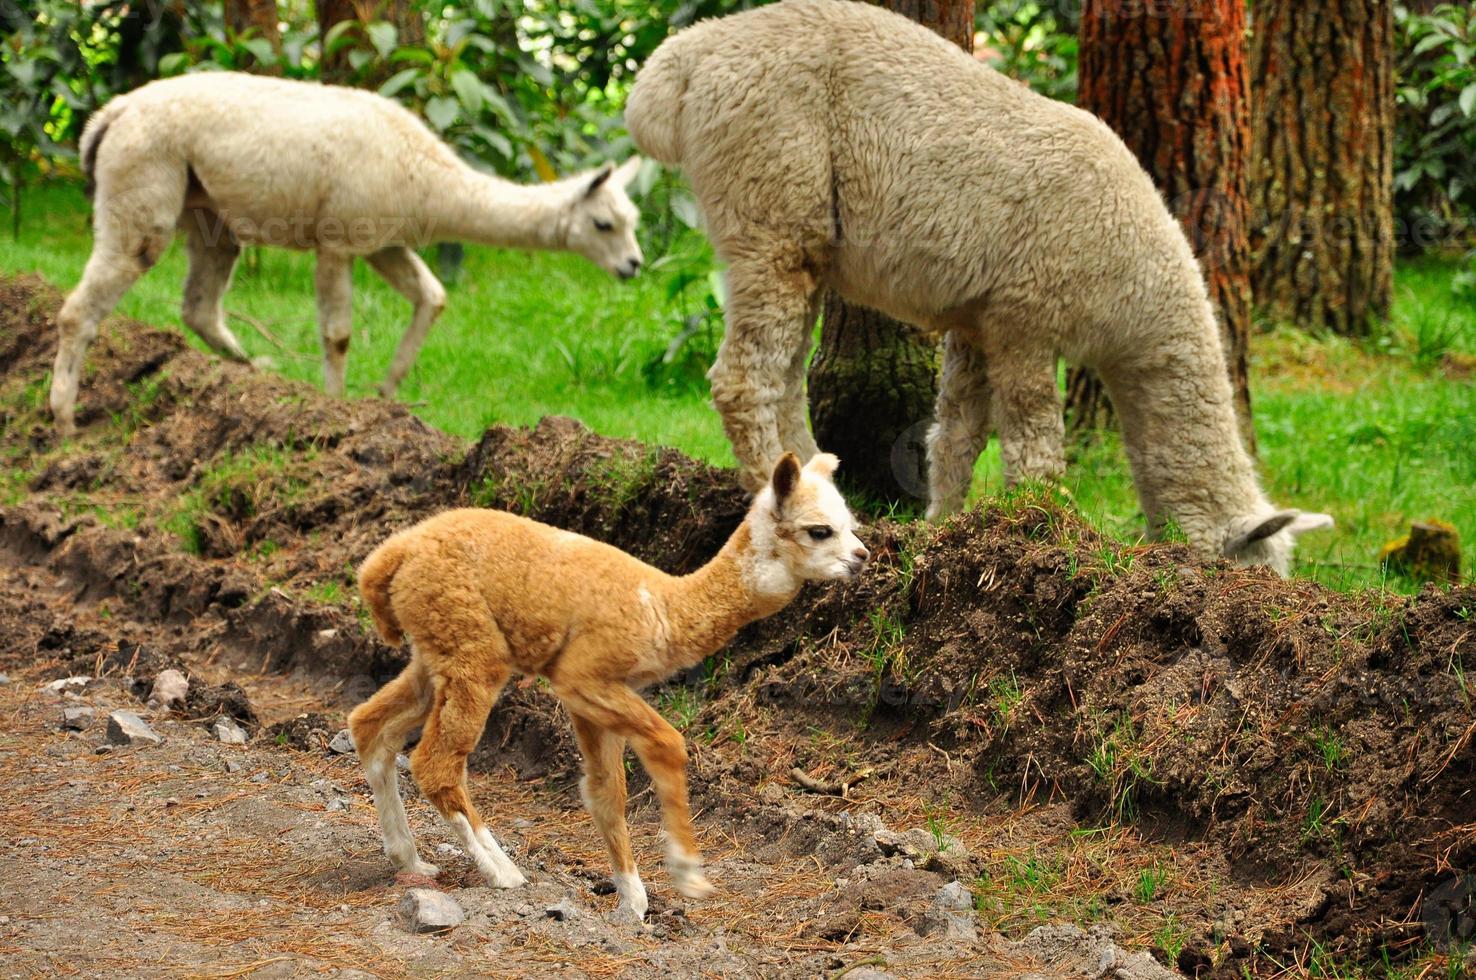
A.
pixel 615 708
pixel 603 791
pixel 766 324
pixel 412 279
pixel 1026 407
pixel 960 428
pixel 335 316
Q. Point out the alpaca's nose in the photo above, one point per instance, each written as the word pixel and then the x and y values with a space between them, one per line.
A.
pixel 634 265
pixel 861 553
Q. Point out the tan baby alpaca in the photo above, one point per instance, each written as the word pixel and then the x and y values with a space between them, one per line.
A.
pixel 483 594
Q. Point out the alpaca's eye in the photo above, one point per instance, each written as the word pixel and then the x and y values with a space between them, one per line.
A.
pixel 602 225
pixel 819 532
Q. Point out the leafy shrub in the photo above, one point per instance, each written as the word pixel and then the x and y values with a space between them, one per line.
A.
pixel 1435 142
pixel 1032 41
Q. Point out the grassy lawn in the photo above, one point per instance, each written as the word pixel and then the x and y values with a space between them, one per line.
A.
pixel 1378 434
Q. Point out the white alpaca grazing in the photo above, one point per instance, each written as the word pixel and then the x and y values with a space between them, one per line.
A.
pixel 230 159
pixel 835 144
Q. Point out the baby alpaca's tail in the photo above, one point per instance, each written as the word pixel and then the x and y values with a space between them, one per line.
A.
pixel 375 576
pixel 653 113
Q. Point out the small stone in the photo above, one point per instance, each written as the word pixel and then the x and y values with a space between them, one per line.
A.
pixel 402 762
pixel 428 910
pixel 170 688
pixel 127 728
pixel 4 679
pixel 952 925
pixel 77 719
pixel 229 732
pixel 334 805
pixel 67 684
pixel 232 765
pixel 102 750
pixel 446 847
pixel 172 801
pixel 561 912
pixel 342 744
pixel 954 896
pixel 260 777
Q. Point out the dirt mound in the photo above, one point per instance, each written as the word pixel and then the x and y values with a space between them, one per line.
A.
pixel 1307 760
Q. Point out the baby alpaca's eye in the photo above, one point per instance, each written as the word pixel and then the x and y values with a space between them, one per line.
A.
pixel 603 225
pixel 819 532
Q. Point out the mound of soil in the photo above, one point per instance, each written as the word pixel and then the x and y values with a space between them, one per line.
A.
pixel 1008 674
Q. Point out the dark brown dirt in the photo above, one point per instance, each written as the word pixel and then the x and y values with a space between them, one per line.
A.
pixel 1305 760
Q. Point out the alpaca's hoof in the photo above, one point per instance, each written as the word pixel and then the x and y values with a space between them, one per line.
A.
pixel 694 885
pixel 262 363
pixel 506 877
pixel 425 868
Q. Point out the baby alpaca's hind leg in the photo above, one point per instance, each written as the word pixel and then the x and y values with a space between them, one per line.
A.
pixel 960 428
pixel 380 727
pixel 603 790
pixel 458 714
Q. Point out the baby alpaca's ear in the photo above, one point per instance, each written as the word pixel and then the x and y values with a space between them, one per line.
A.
pixel 824 464
pixel 786 477
pixel 626 172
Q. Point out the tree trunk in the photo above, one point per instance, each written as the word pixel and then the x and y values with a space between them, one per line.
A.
pixel 404 14
pixel 1171 81
pixel 259 16
pixel 873 380
pixel 1323 150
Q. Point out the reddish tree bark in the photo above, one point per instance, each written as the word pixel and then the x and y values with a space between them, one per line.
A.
pixel 1171 80
pixel 1323 149
pixel 873 380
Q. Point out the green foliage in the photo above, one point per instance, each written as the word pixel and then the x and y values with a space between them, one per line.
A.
pixel 1029 40
pixel 1435 143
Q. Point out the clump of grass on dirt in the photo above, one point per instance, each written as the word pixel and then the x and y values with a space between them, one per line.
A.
pixel 238 485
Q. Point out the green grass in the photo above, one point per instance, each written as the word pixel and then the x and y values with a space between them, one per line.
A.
pixel 1377 433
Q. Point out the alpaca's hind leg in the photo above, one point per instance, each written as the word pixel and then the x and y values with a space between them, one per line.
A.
pixel 411 278
pixel 603 790
pixel 960 428
pixel 794 406
pixel 1026 408
pixel 213 252
pixel 380 727
pixel 131 232
pixel 766 324
pixel 458 714
pixel 617 709
pixel 334 282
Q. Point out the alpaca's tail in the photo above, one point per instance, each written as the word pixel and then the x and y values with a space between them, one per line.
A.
pixel 92 137
pixel 653 113
pixel 375 576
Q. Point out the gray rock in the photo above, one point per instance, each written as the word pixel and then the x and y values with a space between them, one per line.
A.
pixel 342 744
pixel 427 910
pixel 562 911
pixel 229 732
pixel 402 762
pixel 334 805
pixel 954 896
pixel 1068 947
pixel 952 925
pixel 127 728
pixel 67 684
pixel 4 679
pixel 232 765
pixel 260 777
pixel 77 719
pixel 170 688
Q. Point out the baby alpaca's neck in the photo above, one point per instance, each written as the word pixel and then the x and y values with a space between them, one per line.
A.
pixel 742 584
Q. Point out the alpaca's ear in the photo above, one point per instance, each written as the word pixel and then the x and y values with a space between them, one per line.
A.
pixel 1294 521
pixel 599 180
pixel 786 477
pixel 627 171
pixel 823 464
pixel 1307 521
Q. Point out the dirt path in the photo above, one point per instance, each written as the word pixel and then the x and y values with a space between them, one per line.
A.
pixel 1236 773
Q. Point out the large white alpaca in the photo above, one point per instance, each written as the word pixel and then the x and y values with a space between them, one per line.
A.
pixel 230 159
pixel 832 143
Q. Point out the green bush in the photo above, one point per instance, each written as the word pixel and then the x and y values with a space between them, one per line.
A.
pixel 1435 142
pixel 1032 41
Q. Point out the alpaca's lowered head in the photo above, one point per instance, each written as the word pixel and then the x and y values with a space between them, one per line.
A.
pixel 600 221
pixel 1268 538
pixel 801 529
